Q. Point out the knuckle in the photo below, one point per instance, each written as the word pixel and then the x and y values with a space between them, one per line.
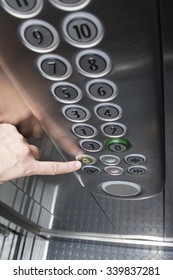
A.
pixel 53 168
pixel 31 169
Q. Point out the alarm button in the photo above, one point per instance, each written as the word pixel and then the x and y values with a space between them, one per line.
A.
pixel 86 159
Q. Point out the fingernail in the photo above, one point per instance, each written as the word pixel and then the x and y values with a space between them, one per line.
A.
pixel 78 164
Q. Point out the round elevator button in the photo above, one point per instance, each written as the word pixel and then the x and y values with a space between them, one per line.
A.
pixel 110 159
pixel 86 159
pixel 137 170
pixel 91 170
pixel 121 188
pixel 21 8
pixel 118 145
pixel 114 170
pixel 82 29
pixel 70 5
pixel 134 159
pixel 39 36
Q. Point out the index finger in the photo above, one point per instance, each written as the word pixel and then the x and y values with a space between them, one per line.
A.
pixel 55 168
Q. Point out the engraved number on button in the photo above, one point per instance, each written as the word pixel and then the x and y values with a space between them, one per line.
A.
pixel 53 66
pixel 38 36
pixel 93 64
pixel 82 31
pixel 118 148
pixel 76 114
pixel 101 91
pixel 20 3
pixel 65 93
pixel 107 113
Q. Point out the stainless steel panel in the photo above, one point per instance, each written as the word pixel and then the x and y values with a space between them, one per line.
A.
pixel 76 204
pixel 131 41
pixel 167 42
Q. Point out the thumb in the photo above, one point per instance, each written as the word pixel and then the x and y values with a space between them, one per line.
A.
pixel 55 168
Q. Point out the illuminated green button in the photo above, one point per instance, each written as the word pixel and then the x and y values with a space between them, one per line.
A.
pixel 118 145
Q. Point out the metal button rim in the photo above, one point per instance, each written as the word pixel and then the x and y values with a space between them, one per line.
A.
pixel 78 90
pixel 135 155
pixel 133 185
pixel 112 105
pixel 76 106
pixel 91 151
pixel 91 166
pixel 69 7
pixel 79 157
pixel 90 17
pixel 99 53
pixel 137 166
pixel 124 128
pixel 84 124
pixel 45 24
pixel 108 164
pixel 121 170
pixel 105 81
pixel 33 12
pixel 60 58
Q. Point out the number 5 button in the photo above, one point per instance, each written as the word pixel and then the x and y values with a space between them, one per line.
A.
pixel 66 92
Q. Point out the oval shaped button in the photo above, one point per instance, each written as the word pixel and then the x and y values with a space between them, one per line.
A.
pixel 114 170
pixel 108 111
pixel 39 36
pixel 54 67
pixel 91 145
pixel 121 188
pixel 76 113
pixel 101 90
pixel 93 63
pixel 66 92
pixel 82 29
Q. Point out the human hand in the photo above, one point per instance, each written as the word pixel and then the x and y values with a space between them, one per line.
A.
pixel 20 159
pixel 14 111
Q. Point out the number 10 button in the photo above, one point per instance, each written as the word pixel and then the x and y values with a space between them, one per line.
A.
pixel 82 29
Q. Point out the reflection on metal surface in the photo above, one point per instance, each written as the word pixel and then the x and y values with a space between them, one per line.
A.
pixel 132 42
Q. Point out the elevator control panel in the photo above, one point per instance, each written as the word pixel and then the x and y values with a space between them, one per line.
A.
pixel 89 71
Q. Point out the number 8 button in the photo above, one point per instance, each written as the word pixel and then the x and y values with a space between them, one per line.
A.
pixel 93 63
